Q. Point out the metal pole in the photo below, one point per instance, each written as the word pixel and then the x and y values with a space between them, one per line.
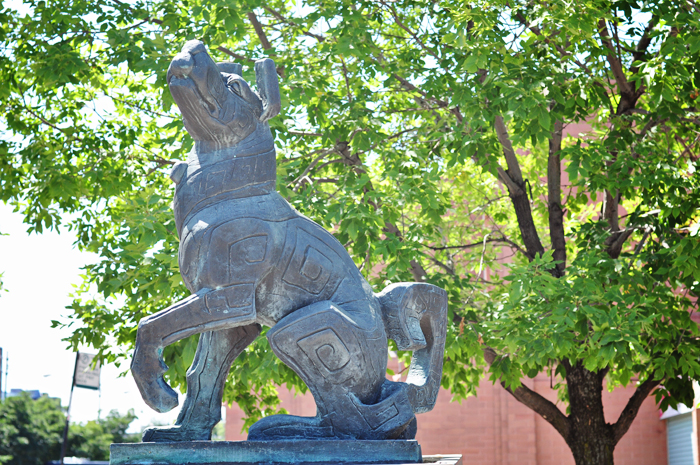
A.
pixel 64 445
pixel 7 367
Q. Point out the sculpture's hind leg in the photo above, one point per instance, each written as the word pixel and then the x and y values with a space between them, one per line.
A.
pixel 205 385
pixel 207 310
pixel 344 365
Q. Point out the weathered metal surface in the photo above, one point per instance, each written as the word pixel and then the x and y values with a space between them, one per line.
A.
pixel 254 452
pixel 250 259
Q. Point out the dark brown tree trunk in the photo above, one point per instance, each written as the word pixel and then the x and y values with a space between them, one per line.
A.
pixel 590 438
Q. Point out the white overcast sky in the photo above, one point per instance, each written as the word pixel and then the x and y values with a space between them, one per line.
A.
pixel 39 273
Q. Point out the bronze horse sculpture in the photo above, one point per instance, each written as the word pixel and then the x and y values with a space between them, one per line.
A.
pixel 250 259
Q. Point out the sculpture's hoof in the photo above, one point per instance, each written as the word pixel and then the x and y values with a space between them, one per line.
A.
pixel 158 395
pixel 175 434
pixel 281 427
pixel 147 368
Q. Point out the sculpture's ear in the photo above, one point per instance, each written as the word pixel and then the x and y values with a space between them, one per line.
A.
pixel 268 88
pixel 230 68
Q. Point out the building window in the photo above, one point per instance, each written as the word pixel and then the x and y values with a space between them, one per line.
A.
pixel 679 437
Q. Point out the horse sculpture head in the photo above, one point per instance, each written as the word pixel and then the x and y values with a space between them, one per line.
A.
pixel 218 107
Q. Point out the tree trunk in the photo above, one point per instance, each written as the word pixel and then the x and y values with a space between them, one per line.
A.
pixel 591 439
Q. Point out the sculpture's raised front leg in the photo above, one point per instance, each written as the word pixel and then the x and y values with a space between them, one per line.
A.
pixel 207 310
pixel 205 385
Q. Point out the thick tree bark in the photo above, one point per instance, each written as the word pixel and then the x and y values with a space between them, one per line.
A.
pixel 591 439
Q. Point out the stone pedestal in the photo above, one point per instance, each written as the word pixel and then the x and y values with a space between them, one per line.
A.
pixel 274 452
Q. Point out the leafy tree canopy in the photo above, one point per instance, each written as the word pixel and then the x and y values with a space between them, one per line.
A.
pixel 93 439
pixel 31 432
pixel 429 136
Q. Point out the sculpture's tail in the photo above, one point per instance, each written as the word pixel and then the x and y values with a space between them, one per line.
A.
pixel 415 316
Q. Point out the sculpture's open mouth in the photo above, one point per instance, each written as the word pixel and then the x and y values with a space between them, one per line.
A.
pixel 216 103
pixel 194 69
pixel 200 93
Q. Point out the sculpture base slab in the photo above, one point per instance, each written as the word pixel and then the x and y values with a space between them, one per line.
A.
pixel 301 452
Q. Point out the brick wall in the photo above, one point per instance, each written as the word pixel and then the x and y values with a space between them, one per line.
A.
pixel 495 429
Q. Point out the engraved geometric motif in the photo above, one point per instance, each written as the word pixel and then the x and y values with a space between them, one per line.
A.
pixel 237 296
pixel 322 344
pixel 325 348
pixel 310 269
pixel 210 182
pixel 243 249
pixel 251 249
pixel 388 413
pixel 381 417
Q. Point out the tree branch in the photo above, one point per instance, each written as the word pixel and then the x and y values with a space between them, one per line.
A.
pixel 613 59
pixel 256 24
pixel 534 401
pixel 417 270
pixel 266 45
pixel 411 33
pixel 610 209
pixel 435 101
pixel 289 22
pixel 556 212
pixel 519 198
pixel 410 87
pixel 511 160
pixel 630 411
pixel 536 30
pixel 643 44
pixel 67 133
pixel 616 241
pixel 470 246
pixel 131 9
pixel 407 85
pixel 345 74
pixel 628 95
pixel 448 269
pixel 510 185
pixel 259 31
pixel 228 52
pixel 302 133
pixel 324 154
pixel 502 240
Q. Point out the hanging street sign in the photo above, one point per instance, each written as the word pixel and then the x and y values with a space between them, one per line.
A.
pixel 85 375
